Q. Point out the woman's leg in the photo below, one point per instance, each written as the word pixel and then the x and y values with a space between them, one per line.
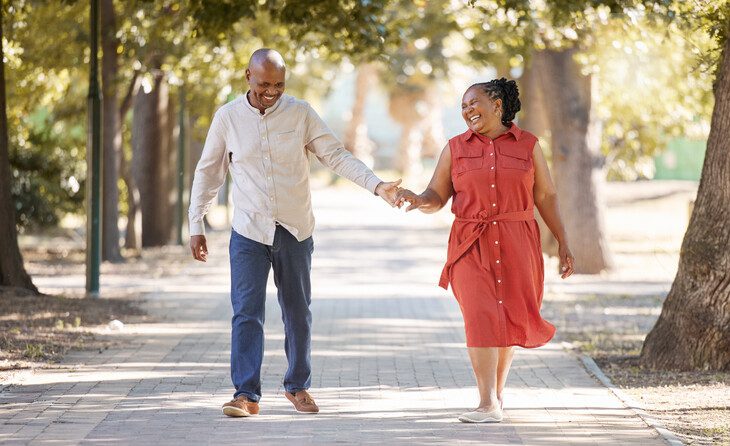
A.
pixel 505 361
pixel 485 360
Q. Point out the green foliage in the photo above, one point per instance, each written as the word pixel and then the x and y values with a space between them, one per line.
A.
pixel 652 86
pixel 46 97
pixel 46 176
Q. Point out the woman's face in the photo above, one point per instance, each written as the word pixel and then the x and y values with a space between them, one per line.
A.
pixel 479 111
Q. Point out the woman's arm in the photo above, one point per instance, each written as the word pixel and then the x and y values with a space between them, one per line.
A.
pixel 437 193
pixel 546 200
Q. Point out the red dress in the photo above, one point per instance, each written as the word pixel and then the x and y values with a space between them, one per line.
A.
pixel 494 263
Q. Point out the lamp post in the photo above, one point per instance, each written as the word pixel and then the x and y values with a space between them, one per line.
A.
pixel 94 162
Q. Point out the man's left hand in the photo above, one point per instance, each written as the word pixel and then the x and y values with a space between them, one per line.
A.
pixel 388 191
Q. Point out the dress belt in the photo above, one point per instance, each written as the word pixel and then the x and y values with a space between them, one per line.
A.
pixel 483 222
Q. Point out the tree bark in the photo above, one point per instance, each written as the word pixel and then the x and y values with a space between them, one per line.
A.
pixel 12 270
pixel 356 134
pixel 576 161
pixel 133 231
pixel 693 329
pixel 150 161
pixel 111 134
pixel 534 119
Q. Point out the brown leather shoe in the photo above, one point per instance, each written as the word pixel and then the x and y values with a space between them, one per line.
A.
pixel 303 401
pixel 241 407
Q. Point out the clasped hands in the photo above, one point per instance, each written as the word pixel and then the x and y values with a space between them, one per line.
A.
pixel 397 196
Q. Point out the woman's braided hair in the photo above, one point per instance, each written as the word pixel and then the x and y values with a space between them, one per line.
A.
pixel 508 92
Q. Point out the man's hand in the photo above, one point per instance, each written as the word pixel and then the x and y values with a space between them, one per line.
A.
pixel 388 191
pixel 199 247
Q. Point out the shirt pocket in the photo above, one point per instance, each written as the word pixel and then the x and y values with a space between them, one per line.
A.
pixel 471 158
pixel 289 146
pixel 513 157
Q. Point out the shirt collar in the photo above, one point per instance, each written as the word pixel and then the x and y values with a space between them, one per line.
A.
pixel 268 111
pixel 513 129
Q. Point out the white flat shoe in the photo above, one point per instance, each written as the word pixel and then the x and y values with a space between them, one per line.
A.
pixel 477 416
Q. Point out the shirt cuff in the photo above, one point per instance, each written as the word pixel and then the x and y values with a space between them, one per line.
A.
pixel 196 228
pixel 372 183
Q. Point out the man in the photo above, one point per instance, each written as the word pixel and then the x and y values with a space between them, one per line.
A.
pixel 263 138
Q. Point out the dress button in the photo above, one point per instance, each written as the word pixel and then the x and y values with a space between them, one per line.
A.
pixel 494 222
pixel 497 261
pixel 500 301
pixel 499 280
pixel 496 242
pixel 494 204
pixel 491 153
pixel 492 185
pixel 492 167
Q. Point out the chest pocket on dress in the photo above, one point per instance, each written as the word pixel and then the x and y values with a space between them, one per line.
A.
pixel 513 157
pixel 471 158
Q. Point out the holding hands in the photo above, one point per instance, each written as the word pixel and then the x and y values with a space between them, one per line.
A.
pixel 388 191
pixel 406 195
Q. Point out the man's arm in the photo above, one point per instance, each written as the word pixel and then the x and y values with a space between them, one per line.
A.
pixel 209 177
pixel 331 152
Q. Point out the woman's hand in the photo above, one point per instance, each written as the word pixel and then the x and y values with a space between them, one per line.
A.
pixel 566 261
pixel 404 195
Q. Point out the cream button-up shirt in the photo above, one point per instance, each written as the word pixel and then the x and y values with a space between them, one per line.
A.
pixel 267 157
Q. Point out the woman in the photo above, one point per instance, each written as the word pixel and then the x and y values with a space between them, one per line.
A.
pixel 495 173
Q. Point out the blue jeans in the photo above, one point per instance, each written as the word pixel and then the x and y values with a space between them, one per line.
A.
pixel 250 265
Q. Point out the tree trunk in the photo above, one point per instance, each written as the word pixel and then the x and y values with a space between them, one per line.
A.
pixel 693 330
pixel 408 108
pixel 576 161
pixel 356 134
pixel 434 138
pixel 133 231
pixel 150 161
pixel 12 271
pixel 534 119
pixel 111 134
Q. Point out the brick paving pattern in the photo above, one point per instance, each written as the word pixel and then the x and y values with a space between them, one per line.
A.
pixel 389 362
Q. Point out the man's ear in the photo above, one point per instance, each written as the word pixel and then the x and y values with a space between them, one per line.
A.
pixel 248 75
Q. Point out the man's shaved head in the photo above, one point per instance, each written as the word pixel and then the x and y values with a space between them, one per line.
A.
pixel 265 74
pixel 268 58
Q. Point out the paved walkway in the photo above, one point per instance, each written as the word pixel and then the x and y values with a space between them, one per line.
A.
pixel 389 360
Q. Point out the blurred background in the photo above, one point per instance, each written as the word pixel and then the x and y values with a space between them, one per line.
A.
pixel 621 95
pixel 387 78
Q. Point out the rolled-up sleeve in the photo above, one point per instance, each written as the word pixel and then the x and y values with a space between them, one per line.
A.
pixel 210 174
pixel 331 152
